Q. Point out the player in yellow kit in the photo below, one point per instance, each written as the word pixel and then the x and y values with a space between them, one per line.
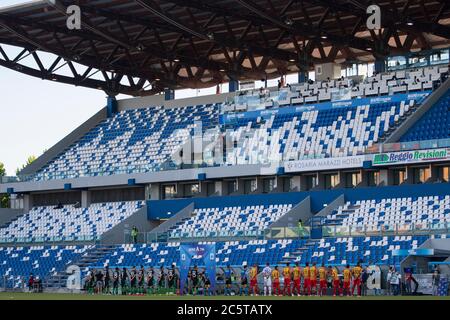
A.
pixel 335 278
pixel 287 279
pixel 254 280
pixel 347 278
pixel 276 281
pixel 323 279
pixel 357 271
pixel 306 285
pixel 297 273
pixel 313 279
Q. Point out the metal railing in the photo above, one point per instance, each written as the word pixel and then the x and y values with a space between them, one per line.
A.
pixel 272 233
pixel 408 146
pixel 385 230
pixel 287 232
pixel 49 240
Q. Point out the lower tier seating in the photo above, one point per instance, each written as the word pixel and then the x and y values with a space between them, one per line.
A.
pixel 17 263
pixel 229 219
pixel 68 223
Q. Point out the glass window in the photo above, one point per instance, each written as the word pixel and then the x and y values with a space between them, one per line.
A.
pixel 373 178
pixel 399 176
pixel 422 175
pixel 331 180
pixel 249 186
pixel 268 185
pixel 311 182
pixel 232 186
pixel 169 191
pixel 445 174
pixel 353 179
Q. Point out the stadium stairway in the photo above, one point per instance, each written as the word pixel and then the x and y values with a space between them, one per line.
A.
pixel 400 121
pixel 8 216
pixel 58 280
pixel 297 254
pixel 344 214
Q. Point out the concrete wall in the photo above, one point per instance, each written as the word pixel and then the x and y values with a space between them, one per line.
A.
pixel 339 201
pixel 158 209
pixel 180 215
pixel 144 102
pixel 138 219
pixel 290 219
pixel 71 138
pixel 429 102
pixel 7 215
pixel 141 178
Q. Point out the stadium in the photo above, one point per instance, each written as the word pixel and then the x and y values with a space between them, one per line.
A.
pixel 246 148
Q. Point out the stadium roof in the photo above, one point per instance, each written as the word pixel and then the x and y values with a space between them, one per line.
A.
pixel 140 47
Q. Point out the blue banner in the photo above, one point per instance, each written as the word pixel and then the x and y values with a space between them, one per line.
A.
pixel 204 255
pixel 413 252
pixel 417 96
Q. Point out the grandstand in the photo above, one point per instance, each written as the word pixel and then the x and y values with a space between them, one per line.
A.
pixel 336 167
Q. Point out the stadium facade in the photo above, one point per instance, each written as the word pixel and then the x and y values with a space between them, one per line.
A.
pixel 340 170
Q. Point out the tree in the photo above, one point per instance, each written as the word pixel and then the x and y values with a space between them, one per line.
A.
pixel 4 199
pixel 2 170
pixel 30 160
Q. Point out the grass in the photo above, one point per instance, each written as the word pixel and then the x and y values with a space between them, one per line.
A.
pixel 85 297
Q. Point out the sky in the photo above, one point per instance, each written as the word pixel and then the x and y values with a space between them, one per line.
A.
pixel 35 114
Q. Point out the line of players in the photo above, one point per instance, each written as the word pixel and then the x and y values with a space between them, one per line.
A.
pixel 142 281
pixel 134 281
pixel 293 280
pixel 145 281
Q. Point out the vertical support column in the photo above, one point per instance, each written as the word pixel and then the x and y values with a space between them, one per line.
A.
pixel 85 198
pixel 364 178
pixel 296 185
pixel 154 191
pixel 302 76
pixel 233 85
pixel 147 191
pixel 321 185
pixel 259 185
pixel 410 172
pixel 279 185
pixel 203 188
pixel 169 94
pixel 240 186
pixel 219 187
pixel 380 65
pixel 27 202
pixel 435 173
pixel 180 190
pixel 111 106
pixel 385 178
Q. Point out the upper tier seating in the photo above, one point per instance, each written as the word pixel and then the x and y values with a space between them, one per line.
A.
pixel 69 223
pixel 387 83
pixel 434 124
pixel 390 212
pixel 332 132
pixel 221 220
pixel 16 263
pixel 130 141
pixel 144 140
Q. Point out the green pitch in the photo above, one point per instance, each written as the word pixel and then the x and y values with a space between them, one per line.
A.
pixel 68 296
